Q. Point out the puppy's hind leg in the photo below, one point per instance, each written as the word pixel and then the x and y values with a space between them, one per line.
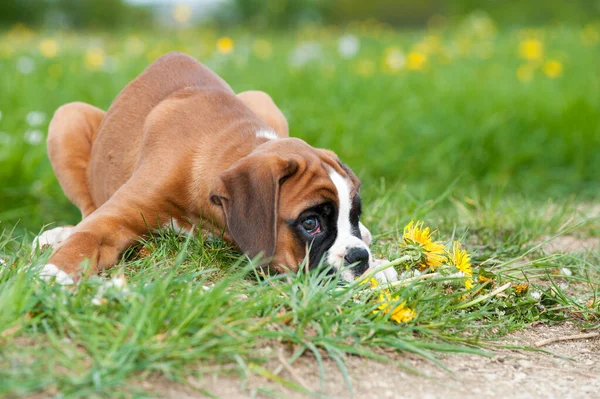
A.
pixel 70 138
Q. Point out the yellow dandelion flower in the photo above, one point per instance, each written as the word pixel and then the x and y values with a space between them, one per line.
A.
pixel 462 261
pixel 415 233
pixel 521 288
pixel 400 313
pixel 553 69
pixel 262 49
pixel 531 49
pixel 94 59
pixel 525 73
pixel 182 13
pixel 416 61
pixel 49 48
pixel 364 68
pixel 225 45
pixel 469 283
pixel 373 282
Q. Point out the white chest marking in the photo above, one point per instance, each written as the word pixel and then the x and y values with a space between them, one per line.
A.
pixel 345 238
pixel 267 134
pixel 177 228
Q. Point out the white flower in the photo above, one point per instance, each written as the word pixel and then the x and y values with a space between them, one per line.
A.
pixel 118 284
pixel 566 272
pixel 348 46
pixel 563 286
pixel 34 136
pixel 395 59
pixel 25 65
pixel 536 295
pixel 304 53
pixel 35 118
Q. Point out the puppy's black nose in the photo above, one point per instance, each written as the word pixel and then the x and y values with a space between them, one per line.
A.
pixel 359 257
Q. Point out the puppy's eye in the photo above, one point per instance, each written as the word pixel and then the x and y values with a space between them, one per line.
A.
pixel 311 225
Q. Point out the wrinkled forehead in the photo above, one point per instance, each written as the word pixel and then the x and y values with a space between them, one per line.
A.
pixel 315 183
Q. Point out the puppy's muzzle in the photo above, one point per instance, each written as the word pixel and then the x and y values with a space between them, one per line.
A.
pixel 358 259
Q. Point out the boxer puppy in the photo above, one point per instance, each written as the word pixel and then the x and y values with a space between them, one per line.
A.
pixel 178 148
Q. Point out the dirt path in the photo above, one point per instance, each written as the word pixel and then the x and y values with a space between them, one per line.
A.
pixel 572 372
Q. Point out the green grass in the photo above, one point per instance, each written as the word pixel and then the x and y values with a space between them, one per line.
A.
pixel 462 144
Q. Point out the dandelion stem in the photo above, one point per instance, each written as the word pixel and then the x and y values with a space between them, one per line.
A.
pixel 407 281
pixel 484 297
pixel 380 268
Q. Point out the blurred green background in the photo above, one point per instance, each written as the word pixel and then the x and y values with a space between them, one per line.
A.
pixel 488 97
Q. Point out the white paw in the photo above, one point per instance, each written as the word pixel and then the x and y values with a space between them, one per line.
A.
pixel 365 234
pixel 50 272
pixel 51 238
pixel 389 275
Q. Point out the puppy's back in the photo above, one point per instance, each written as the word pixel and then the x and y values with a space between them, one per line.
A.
pixel 116 144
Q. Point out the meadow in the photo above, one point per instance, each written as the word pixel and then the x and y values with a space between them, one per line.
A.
pixel 488 134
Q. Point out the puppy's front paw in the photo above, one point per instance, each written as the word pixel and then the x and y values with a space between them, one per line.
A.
pixel 389 275
pixel 385 276
pixel 51 238
pixel 50 272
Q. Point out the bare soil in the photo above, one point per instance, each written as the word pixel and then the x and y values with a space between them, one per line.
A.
pixel 568 369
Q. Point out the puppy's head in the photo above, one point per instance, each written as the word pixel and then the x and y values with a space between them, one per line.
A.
pixel 291 202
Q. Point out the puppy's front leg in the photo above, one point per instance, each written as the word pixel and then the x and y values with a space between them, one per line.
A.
pixel 101 238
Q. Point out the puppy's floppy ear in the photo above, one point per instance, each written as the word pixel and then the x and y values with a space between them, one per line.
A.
pixel 248 192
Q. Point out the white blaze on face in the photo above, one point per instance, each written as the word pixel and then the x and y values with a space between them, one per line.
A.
pixel 344 239
pixel 267 134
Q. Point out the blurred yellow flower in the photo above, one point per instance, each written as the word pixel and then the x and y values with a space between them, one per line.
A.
pixel 49 48
pixel 416 61
pixel 6 49
pixel 531 49
pixel 262 49
pixel 521 288
pixel 364 67
pixel 415 233
pixel 552 68
pixel 94 58
pixel 590 35
pixel 134 45
pixel 182 13
pixel 525 73
pixel 225 45
pixel 428 45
